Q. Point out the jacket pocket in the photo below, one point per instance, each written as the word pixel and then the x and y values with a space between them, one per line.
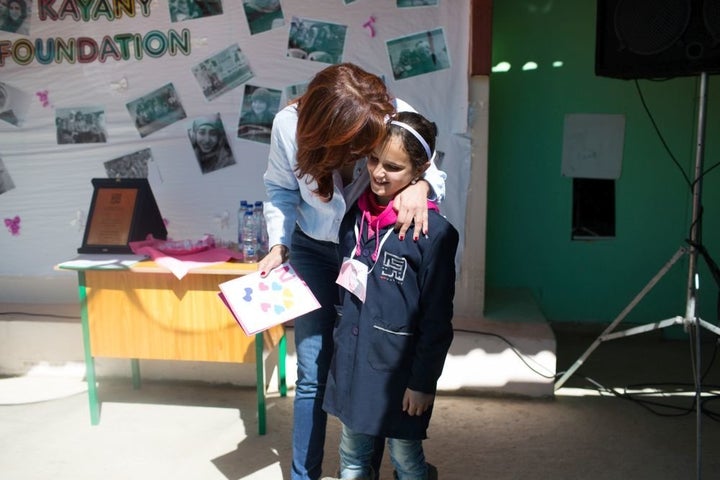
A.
pixel 389 349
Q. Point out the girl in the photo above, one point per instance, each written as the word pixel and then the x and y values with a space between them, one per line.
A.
pixel 394 328
pixel 315 170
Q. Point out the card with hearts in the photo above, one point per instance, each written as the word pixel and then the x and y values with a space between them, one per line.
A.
pixel 260 303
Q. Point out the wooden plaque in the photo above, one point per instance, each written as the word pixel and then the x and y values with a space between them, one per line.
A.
pixel 121 211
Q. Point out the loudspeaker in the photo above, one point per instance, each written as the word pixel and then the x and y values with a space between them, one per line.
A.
pixel 657 38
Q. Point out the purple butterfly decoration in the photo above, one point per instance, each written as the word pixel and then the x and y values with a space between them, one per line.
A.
pixel 370 26
pixel 44 97
pixel 248 294
pixel 13 225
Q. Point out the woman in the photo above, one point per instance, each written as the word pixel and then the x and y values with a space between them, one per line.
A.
pixel 313 176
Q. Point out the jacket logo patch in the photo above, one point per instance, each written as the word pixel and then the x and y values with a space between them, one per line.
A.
pixel 393 268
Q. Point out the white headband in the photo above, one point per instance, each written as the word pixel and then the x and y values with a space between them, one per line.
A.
pixel 416 135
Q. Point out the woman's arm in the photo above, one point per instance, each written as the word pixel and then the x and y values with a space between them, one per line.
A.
pixel 281 186
pixel 411 203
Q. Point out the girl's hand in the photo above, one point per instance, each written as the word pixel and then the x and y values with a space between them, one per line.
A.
pixel 411 205
pixel 417 403
pixel 277 255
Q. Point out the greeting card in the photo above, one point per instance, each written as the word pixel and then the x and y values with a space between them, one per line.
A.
pixel 259 303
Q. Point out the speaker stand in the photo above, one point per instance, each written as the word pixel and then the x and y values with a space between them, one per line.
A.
pixel 690 321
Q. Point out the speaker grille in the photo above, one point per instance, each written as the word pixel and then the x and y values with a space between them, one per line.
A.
pixel 648 27
pixel 657 38
pixel 711 17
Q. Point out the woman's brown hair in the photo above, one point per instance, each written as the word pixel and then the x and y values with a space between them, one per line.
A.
pixel 341 117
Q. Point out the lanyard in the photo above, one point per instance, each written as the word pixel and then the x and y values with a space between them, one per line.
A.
pixel 379 247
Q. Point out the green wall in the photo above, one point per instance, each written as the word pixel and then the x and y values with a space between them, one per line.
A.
pixel 530 202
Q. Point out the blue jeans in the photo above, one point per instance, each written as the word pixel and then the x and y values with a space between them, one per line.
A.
pixel 318 264
pixel 356 454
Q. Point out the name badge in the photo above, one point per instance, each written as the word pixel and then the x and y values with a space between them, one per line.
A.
pixel 353 277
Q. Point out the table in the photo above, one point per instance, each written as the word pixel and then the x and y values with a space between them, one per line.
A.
pixel 139 310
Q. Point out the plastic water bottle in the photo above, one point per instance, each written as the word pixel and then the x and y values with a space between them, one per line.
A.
pixel 262 235
pixel 241 218
pixel 249 235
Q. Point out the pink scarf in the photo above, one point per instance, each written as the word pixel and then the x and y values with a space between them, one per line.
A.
pixel 377 217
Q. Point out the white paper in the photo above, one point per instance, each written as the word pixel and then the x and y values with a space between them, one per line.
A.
pixel 260 303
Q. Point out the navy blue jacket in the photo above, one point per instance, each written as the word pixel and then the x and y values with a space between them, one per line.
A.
pixel 400 336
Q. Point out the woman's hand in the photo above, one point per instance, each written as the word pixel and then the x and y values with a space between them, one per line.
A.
pixel 411 204
pixel 416 403
pixel 277 255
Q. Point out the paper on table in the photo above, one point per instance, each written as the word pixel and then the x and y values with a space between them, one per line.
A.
pixel 102 261
pixel 261 303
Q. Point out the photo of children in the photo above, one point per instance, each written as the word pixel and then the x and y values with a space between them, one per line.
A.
pixel 419 53
pixel 316 41
pixel 181 10
pixel 156 110
pixel 263 15
pixel 80 125
pixel 134 165
pixel 222 72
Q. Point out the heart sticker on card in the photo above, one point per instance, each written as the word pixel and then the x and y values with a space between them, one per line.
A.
pixel 262 286
pixel 279 309
pixel 264 306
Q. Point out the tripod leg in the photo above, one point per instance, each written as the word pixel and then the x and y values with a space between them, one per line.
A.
pixel 681 251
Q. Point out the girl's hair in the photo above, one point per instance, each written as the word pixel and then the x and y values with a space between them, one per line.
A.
pixel 413 147
pixel 341 117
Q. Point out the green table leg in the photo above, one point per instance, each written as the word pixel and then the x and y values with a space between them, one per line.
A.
pixel 260 382
pixel 282 377
pixel 135 368
pixel 89 360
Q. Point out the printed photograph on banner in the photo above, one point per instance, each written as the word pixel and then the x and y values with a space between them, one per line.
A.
pixel 418 54
pixel 80 125
pixel 295 91
pixel 14 103
pixel 263 15
pixel 416 3
pixel 156 110
pixel 210 143
pixel 222 72
pixel 181 10
pixel 316 41
pixel 133 165
pixel 15 16
pixel 6 182
pixel 258 110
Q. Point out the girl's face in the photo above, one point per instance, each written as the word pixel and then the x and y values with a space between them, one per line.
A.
pixel 15 11
pixel 259 106
pixel 207 138
pixel 390 170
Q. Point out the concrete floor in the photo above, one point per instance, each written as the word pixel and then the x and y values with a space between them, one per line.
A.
pixel 199 431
